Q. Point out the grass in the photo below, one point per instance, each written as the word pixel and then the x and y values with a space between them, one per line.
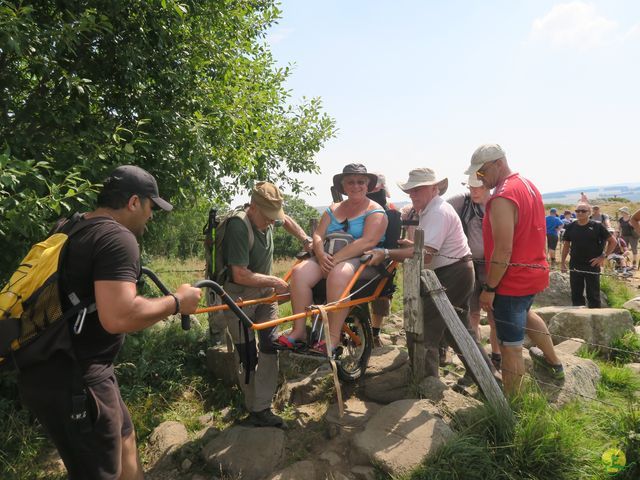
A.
pixel 618 293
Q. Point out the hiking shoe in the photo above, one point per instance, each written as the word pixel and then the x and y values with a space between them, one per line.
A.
pixel 377 341
pixel 266 418
pixel 537 357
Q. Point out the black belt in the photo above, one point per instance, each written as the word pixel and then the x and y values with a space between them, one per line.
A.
pixel 465 259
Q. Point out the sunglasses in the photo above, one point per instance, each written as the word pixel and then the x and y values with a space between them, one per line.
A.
pixel 580 210
pixel 483 171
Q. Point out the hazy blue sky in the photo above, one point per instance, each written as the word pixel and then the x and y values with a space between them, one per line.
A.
pixel 423 83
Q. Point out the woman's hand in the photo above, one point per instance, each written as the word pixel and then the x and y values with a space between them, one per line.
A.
pixel 326 263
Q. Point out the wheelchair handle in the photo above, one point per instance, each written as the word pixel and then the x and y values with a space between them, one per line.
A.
pixel 224 296
pixel 184 319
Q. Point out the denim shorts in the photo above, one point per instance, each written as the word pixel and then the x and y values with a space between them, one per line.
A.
pixel 511 317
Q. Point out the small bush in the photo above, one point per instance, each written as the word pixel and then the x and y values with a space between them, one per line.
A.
pixel 628 348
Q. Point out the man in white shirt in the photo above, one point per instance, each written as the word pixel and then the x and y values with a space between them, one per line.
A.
pixel 447 253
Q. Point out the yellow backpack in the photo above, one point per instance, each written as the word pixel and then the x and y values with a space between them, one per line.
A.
pixel 33 321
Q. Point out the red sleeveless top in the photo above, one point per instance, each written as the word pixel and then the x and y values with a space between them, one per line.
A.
pixel 529 238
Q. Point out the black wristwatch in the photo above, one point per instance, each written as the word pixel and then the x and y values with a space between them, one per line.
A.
pixel 487 288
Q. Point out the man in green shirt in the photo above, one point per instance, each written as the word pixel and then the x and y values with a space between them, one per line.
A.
pixel 248 259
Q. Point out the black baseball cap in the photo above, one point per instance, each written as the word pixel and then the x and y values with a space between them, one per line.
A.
pixel 136 180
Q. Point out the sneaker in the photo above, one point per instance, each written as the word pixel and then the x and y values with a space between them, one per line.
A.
pixel 266 418
pixel 537 357
pixel 377 341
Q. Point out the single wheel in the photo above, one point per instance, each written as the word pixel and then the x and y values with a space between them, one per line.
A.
pixel 355 351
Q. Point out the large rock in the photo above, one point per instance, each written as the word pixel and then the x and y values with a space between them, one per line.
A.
pixel 399 436
pixel 166 439
pixel 449 404
pixel 633 304
pixel 356 413
pixel 570 347
pixel 389 386
pixel 547 313
pixel 594 325
pixel 245 452
pixel 581 378
pixel 559 291
pixel 385 359
pixel 303 391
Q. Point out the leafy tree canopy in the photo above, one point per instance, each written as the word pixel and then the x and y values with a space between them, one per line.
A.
pixel 187 90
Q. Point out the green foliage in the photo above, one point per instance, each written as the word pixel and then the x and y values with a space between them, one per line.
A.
pixel 629 348
pixel 619 379
pixel 284 244
pixel 189 91
pixel 618 293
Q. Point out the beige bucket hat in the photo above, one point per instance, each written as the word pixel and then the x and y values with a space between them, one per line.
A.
pixel 268 198
pixel 419 177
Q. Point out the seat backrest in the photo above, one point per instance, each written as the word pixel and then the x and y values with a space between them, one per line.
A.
pixel 394 227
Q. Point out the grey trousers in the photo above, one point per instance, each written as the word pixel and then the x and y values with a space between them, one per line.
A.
pixel 263 358
pixel 458 282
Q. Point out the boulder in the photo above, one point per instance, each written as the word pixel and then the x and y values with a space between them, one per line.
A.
pixel 633 304
pixel 581 378
pixel 303 391
pixel 356 413
pixel 547 313
pixel 449 404
pixel 361 472
pixel 167 437
pixel 634 367
pixel 385 359
pixel 389 386
pixel 229 451
pixel 570 347
pixel 399 436
pixel 559 291
pixel 594 325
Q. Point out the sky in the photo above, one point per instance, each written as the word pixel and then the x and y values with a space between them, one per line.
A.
pixel 423 83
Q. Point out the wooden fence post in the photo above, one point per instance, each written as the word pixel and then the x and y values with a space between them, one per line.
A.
pixel 413 309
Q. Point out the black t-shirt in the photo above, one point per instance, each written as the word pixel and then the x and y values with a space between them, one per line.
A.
pixel 625 227
pixel 104 251
pixel 587 243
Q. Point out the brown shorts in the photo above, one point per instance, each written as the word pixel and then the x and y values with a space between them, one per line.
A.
pixel 96 454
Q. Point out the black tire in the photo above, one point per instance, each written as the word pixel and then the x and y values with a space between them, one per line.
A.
pixel 354 359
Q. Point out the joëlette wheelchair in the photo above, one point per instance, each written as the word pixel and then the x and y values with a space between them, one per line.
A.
pixel 352 353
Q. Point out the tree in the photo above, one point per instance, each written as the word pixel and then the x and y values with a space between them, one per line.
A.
pixel 188 91
pixel 284 244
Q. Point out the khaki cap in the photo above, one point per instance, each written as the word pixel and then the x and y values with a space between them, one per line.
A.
pixel 268 199
pixel 484 154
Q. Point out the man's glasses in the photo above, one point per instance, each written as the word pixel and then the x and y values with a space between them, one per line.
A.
pixel 581 210
pixel 356 182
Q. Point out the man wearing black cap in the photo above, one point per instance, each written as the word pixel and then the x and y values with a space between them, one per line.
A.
pixel 102 263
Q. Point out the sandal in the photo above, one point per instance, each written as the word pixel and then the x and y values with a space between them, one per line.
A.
pixel 319 347
pixel 289 343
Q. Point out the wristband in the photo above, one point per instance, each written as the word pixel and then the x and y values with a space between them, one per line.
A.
pixel 307 241
pixel 386 254
pixel 489 289
pixel 177 304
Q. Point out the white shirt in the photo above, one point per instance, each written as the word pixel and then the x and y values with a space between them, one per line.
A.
pixel 443 232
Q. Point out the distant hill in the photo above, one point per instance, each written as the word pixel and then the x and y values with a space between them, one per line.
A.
pixel 630 191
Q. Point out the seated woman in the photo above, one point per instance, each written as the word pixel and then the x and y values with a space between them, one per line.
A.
pixel 358 216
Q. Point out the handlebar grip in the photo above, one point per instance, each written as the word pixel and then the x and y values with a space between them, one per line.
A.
pixel 185 319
